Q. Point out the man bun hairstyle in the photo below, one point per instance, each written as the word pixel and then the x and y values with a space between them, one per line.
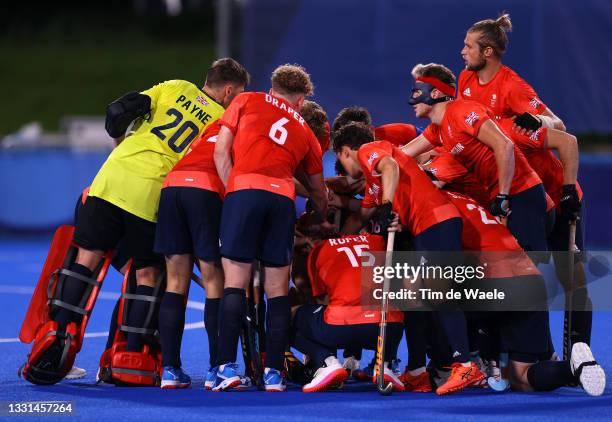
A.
pixel 493 33
pixel 435 70
pixel 353 135
pixel 352 114
pixel 227 70
pixel 289 79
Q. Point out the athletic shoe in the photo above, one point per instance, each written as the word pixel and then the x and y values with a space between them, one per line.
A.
pixel 227 377
pixel 416 383
pixel 273 380
pixel 391 377
pixel 329 375
pixel 245 383
pixel 484 368
pixel 75 373
pixel 366 373
pixel 584 367
pixel 460 378
pixel 350 364
pixel 211 376
pixel 174 377
pixel 437 376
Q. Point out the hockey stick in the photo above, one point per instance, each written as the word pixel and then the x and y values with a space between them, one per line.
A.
pixel 254 340
pixel 249 337
pixel 383 389
pixel 569 296
pixel 197 280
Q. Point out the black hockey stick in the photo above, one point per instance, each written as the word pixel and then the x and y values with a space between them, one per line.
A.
pixel 383 389
pixel 569 295
pixel 249 335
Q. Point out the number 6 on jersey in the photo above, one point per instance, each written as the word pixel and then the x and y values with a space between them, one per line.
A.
pixel 278 133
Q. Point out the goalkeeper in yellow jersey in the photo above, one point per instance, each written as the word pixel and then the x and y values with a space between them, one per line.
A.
pixel 122 205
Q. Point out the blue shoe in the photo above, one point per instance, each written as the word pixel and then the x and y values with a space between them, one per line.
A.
pixel 227 377
pixel 211 376
pixel 273 380
pixel 173 377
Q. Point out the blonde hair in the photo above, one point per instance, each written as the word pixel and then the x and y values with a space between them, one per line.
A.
pixel 435 70
pixel 289 79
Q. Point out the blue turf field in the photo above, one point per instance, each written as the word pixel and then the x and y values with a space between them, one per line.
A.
pixel 20 263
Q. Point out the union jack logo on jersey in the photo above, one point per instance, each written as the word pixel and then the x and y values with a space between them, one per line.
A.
pixel 201 100
pixel 535 103
pixel 471 118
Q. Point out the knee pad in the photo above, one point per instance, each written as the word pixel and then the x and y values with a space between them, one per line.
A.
pixel 121 367
pixel 54 347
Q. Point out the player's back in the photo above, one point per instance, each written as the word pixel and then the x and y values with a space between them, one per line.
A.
pixel 179 112
pixel 200 156
pixel 397 133
pixel 496 246
pixel 335 268
pixel 271 141
pixel 132 176
pixel 481 231
pixel 197 168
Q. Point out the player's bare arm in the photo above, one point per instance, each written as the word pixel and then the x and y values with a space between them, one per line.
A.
pixel 567 147
pixel 223 153
pixel 389 170
pixel 503 148
pixel 417 146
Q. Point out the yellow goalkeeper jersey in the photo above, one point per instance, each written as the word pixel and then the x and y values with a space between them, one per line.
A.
pixel 132 176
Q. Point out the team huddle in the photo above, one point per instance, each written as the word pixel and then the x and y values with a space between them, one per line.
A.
pixel 208 177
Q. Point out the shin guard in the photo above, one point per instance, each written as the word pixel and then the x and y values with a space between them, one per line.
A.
pixel 144 368
pixel 55 348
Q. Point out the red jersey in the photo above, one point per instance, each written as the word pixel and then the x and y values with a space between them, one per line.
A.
pixel 456 177
pixel 397 133
pixel 334 268
pixel 457 135
pixel 484 233
pixel 197 168
pixel 417 201
pixel 541 160
pixel 271 141
pixel 507 94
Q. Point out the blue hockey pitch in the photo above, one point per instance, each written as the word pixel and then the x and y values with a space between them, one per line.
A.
pixel 21 261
